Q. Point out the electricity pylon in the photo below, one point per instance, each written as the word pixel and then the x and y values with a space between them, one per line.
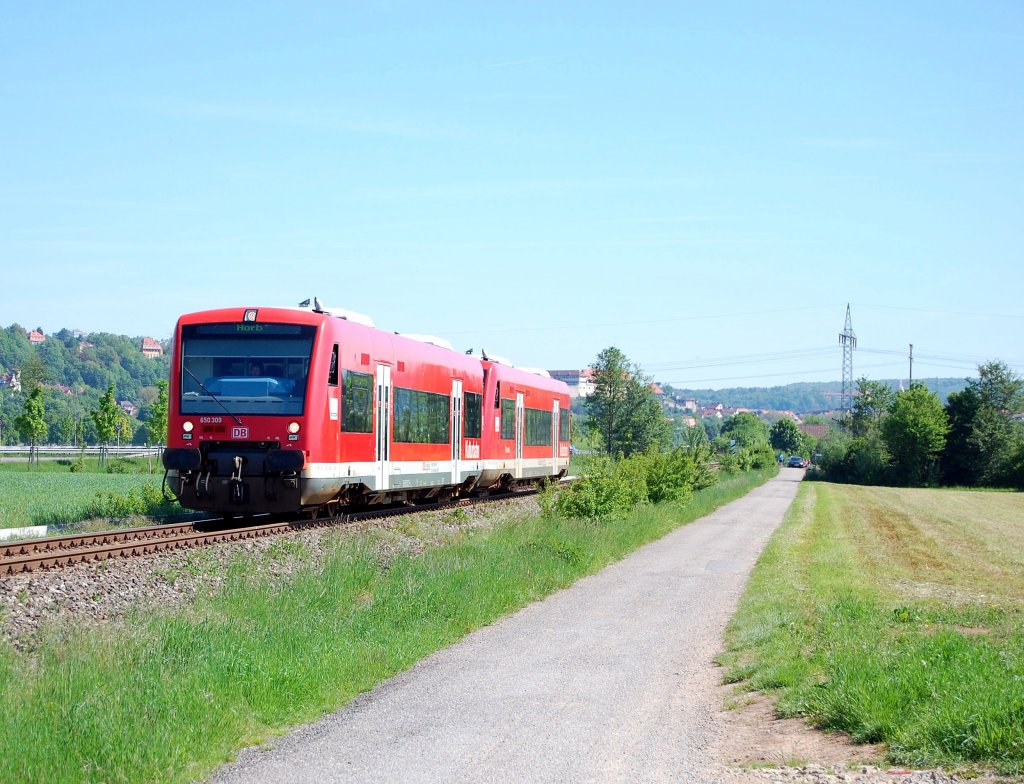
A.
pixel 848 340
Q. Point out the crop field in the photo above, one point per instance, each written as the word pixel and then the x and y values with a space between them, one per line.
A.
pixel 52 497
pixel 896 616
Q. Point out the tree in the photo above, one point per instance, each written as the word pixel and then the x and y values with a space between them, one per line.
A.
pixel 623 410
pixel 961 460
pixel 32 422
pixel 33 372
pixel 746 429
pixel 156 422
pixel 785 436
pixel 915 433
pixel 984 438
pixel 106 418
pixel 871 402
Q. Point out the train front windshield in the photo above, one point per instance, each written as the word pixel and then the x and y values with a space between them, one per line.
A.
pixel 245 368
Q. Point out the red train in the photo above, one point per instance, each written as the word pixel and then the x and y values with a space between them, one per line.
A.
pixel 305 409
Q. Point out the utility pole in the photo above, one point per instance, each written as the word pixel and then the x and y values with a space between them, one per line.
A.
pixel 911 380
pixel 848 340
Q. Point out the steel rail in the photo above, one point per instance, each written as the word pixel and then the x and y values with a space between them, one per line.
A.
pixel 28 555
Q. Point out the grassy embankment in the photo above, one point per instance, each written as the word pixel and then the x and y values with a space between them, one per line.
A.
pixel 897 616
pixel 50 493
pixel 169 696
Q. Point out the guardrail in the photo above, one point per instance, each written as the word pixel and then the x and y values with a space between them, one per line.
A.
pixel 126 450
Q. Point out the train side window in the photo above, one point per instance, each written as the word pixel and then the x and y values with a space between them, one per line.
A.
pixel 564 424
pixel 472 415
pixel 538 427
pixel 332 375
pixel 421 417
pixel 508 419
pixel 356 402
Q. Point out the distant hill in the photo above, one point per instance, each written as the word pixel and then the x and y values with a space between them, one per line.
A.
pixel 75 368
pixel 802 398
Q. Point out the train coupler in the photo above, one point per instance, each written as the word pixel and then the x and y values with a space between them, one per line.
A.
pixel 239 490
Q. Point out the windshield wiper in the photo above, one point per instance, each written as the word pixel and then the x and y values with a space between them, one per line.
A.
pixel 213 396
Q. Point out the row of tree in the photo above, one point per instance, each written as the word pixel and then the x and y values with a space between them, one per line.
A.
pixel 109 421
pixel 910 438
pixel 907 437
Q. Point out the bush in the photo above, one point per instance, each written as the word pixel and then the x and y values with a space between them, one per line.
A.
pixel 144 500
pixel 670 476
pixel 757 457
pixel 728 462
pixel 608 488
pixel 121 466
pixel 860 460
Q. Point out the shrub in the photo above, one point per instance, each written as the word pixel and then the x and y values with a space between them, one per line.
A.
pixel 121 466
pixel 143 500
pixel 607 489
pixel 728 462
pixel 758 456
pixel 610 488
pixel 670 476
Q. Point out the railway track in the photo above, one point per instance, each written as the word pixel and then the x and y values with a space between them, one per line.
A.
pixel 56 552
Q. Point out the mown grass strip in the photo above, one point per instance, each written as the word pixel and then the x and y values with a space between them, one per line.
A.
pixel 167 698
pixel 896 616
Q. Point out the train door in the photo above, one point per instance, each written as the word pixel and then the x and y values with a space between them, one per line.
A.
pixel 334 406
pixel 554 439
pixel 383 426
pixel 456 414
pixel 520 426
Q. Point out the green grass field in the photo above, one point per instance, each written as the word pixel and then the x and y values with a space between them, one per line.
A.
pixel 896 616
pixel 169 696
pixel 51 494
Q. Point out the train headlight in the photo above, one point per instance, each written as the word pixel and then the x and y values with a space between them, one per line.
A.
pixel 250 315
pixel 293 427
pixel 187 426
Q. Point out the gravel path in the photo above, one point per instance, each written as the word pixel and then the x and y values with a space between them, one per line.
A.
pixel 609 680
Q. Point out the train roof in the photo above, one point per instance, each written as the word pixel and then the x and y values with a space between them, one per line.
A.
pixel 421 345
pixel 527 377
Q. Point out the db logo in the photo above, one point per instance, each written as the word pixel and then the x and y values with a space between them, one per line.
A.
pixel 239 432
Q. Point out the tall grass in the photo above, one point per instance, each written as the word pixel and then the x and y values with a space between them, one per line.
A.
pixel 170 695
pixel 934 668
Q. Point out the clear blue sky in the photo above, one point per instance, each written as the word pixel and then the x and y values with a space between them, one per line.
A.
pixel 703 185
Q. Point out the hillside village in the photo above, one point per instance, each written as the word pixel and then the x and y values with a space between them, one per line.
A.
pixel 148 347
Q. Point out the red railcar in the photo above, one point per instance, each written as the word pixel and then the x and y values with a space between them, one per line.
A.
pixel 526 424
pixel 289 409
